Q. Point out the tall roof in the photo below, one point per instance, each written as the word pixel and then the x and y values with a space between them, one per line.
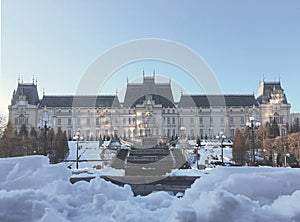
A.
pixel 80 101
pixel 157 99
pixel 217 100
pixel 136 90
pixel 27 90
pixel 267 90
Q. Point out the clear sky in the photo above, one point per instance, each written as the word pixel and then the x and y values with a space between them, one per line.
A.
pixel 242 41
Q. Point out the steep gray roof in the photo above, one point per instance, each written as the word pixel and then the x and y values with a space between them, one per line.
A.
pixel 157 99
pixel 217 100
pixel 137 90
pixel 266 89
pixel 28 90
pixel 80 101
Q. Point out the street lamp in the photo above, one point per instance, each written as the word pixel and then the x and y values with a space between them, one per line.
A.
pixel 222 146
pixel 253 124
pixel 285 148
pixel 198 144
pixel 46 125
pixel 77 137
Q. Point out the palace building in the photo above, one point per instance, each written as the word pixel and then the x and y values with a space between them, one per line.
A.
pixel 149 110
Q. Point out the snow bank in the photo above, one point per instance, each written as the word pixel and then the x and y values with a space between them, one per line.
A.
pixel 33 190
pixel 246 194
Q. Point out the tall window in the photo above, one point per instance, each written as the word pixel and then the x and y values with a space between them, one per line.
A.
pixel 59 121
pixel 232 132
pixel 211 121
pixel 231 120
pixel 242 120
pixel 88 121
pixel 97 121
pixel 21 120
pixel 201 120
pixel 69 121
pixel 173 120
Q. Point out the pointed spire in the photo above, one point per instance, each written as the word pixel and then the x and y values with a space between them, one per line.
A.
pixel 22 80
pixel 116 91
pixel 36 81
pixel 143 73
pixel 127 80
pixel 153 73
pixel 263 77
pixel 43 91
pixel 33 79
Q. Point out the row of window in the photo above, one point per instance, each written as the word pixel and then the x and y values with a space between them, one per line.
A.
pixel 212 120
pixel 169 111
pixel 88 121
pixel 21 120
pixel 105 111
pixel 132 121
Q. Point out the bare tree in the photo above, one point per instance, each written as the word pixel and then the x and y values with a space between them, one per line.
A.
pixel 2 124
pixel 239 148
pixel 294 145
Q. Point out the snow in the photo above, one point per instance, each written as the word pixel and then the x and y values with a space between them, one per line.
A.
pixel 33 190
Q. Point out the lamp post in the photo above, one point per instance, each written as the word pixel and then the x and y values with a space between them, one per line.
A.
pixel 198 144
pixel 45 125
pixel 286 154
pixel 252 124
pixel 222 145
pixel 77 138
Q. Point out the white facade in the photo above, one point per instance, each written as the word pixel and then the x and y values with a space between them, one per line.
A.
pixel 147 110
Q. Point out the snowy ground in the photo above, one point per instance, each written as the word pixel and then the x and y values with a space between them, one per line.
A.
pixel 88 151
pixel 33 190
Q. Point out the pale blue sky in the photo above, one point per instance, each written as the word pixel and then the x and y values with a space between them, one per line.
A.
pixel 56 40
